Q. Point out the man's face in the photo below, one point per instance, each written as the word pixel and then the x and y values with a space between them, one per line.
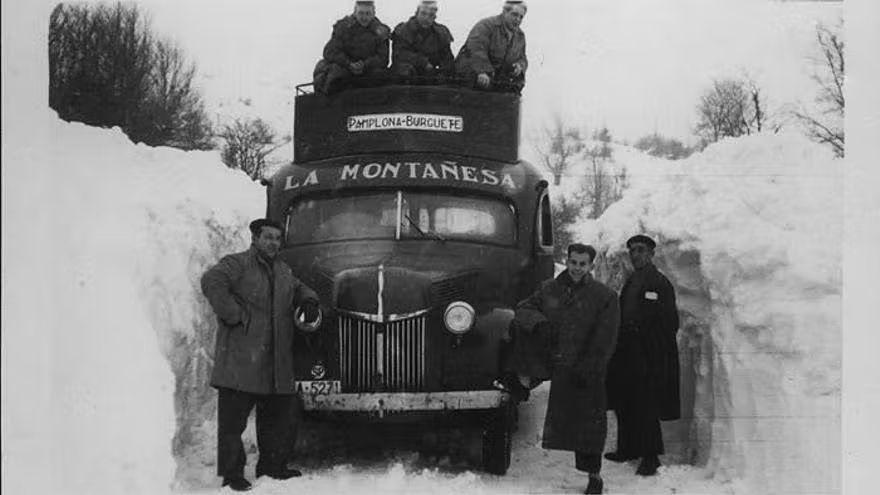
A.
pixel 268 241
pixel 640 255
pixel 426 15
pixel 513 17
pixel 578 264
pixel 364 14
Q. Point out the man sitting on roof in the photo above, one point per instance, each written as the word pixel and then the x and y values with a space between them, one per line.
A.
pixel 494 55
pixel 357 53
pixel 421 47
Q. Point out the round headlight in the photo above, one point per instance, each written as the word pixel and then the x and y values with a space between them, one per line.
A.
pixel 459 317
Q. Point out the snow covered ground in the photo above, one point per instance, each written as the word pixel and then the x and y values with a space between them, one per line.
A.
pixel 748 234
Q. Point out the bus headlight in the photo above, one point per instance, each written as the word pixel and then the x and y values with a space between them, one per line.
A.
pixel 459 317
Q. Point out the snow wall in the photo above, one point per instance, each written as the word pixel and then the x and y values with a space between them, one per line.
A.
pixel 120 234
pixel 749 232
pixel 113 369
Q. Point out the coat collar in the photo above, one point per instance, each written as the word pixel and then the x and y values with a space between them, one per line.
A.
pixel 255 255
pixel 498 21
pixel 565 279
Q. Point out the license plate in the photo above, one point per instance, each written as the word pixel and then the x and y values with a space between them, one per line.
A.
pixel 319 387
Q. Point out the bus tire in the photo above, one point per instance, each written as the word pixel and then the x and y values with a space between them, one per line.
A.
pixel 498 438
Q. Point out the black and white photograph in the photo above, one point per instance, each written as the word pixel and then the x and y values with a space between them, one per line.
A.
pixel 440 246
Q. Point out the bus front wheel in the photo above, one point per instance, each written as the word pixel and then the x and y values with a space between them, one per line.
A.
pixel 498 438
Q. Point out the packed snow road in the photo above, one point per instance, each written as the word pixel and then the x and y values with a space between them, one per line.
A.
pixel 374 462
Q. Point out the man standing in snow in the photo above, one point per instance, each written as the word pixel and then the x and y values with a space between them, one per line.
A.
pixel 494 54
pixel 255 296
pixel 643 374
pixel 421 46
pixel 356 53
pixel 573 318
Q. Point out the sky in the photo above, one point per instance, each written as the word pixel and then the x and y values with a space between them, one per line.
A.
pixel 637 66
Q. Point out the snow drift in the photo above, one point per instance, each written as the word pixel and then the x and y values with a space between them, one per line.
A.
pixel 112 341
pixel 749 232
pixel 127 230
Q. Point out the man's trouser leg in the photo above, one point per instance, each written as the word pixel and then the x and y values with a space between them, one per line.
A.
pixel 638 432
pixel 625 444
pixel 590 463
pixel 233 408
pixel 297 408
pixel 274 432
pixel 652 435
pixel 337 78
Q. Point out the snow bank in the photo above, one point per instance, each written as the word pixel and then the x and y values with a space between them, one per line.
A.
pixel 105 370
pixel 749 231
pixel 106 273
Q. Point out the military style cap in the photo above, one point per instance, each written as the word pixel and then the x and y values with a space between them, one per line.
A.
pixel 643 239
pixel 259 223
pixel 365 2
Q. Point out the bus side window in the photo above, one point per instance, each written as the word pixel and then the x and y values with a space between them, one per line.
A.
pixel 545 222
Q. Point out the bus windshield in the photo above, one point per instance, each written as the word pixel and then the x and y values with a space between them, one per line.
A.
pixel 401 215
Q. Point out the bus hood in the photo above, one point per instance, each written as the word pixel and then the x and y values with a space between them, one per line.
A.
pixel 390 280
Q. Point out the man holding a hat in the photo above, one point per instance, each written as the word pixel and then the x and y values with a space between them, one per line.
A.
pixel 643 375
pixel 565 333
pixel 255 296
pixel 357 52
pixel 494 55
pixel 421 46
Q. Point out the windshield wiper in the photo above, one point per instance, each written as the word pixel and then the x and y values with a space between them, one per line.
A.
pixel 429 233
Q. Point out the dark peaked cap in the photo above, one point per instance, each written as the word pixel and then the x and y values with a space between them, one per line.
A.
pixel 257 225
pixel 643 239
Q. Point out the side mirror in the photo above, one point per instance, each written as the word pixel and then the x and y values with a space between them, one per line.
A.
pixel 299 319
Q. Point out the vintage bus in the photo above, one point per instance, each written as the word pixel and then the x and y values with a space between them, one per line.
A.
pixel 409 211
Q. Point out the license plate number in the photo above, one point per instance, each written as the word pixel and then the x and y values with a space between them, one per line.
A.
pixel 319 387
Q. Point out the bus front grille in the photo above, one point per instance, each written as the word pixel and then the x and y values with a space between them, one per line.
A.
pixel 376 357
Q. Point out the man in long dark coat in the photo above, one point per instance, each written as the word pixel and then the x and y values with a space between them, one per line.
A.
pixel 255 295
pixel 422 47
pixel 357 53
pixel 494 54
pixel 643 377
pixel 574 318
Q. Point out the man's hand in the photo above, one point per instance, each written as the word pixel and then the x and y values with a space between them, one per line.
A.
pixel 517 69
pixel 483 80
pixel 311 311
pixel 356 68
pixel 545 328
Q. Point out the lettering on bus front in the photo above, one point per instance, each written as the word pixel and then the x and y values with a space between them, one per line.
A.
pixel 443 171
pixel 405 121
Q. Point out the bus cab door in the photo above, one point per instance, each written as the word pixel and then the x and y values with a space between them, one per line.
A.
pixel 543 245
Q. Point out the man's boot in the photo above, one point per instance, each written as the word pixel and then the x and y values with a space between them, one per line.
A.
pixel 595 485
pixel 619 457
pixel 237 484
pixel 648 466
pixel 284 473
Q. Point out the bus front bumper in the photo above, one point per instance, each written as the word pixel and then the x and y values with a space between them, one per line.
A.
pixel 381 402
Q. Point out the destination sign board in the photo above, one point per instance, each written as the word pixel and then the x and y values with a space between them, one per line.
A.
pixel 405 121
pixel 441 171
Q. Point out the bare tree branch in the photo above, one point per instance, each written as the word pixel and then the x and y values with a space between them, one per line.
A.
pixel 829 77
